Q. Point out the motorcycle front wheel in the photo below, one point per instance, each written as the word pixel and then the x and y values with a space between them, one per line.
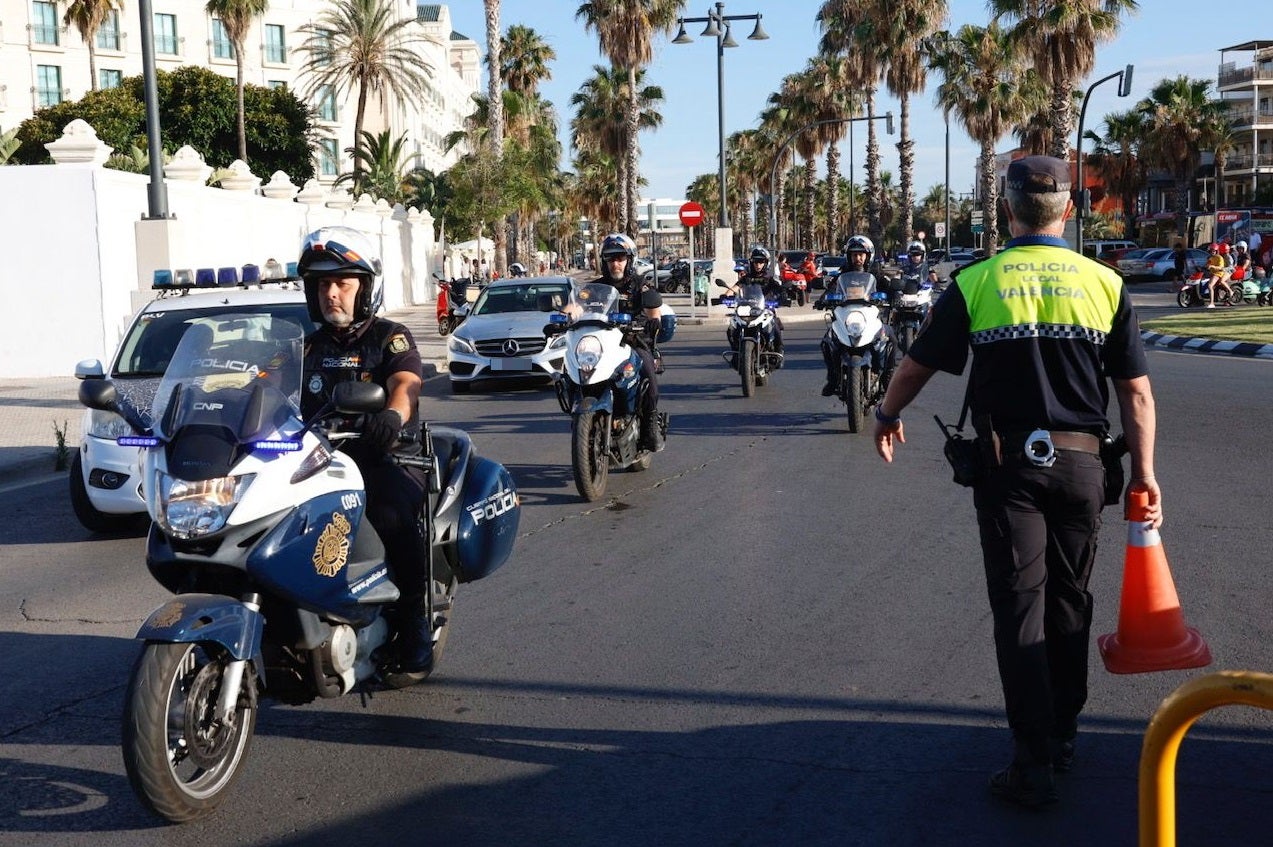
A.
pixel 181 760
pixel 444 326
pixel 589 459
pixel 1185 298
pixel 854 386
pixel 747 367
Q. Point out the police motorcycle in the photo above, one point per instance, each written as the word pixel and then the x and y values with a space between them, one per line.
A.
pixel 751 332
pixel 864 343
pixel 910 297
pixel 600 385
pixel 281 585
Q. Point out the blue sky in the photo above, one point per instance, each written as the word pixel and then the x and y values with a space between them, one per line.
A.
pixel 1160 40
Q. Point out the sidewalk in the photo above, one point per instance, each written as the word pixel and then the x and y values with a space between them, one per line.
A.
pixel 30 409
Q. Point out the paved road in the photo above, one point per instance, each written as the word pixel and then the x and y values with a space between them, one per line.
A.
pixel 768 637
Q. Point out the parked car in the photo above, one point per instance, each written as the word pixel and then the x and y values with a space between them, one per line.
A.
pixel 105 478
pixel 503 336
pixel 1096 249
pixel 1159 263
pixel 831 267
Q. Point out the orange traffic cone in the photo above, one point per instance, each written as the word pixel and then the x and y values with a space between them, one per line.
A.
pixel 1152 635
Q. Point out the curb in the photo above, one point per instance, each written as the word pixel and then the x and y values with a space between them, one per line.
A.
pixel 1194 344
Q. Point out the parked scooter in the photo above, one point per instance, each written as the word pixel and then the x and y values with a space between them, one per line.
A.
pixel 259 529
pixel 751 335
pixel 863 341
pixel 601 387
pixel 454 302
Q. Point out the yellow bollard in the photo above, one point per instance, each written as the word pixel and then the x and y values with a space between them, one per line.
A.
pixel 1167 729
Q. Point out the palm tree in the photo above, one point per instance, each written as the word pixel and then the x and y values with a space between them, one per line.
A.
pixel 905 28
pixel 237 16
pixel 384 161
pixel 1114 157
pixel 625 30
pixel 494 85
pixel 525 57
pixel 87 16
pixel 986 87
pixel 364 43
pixel 1182 121
pixel 846 32
pixel 1061 37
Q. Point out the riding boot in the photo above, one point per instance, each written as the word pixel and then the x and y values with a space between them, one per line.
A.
pixel 651 433
pixel 415 639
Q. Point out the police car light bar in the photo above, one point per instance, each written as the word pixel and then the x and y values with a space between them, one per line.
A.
pixel 182 279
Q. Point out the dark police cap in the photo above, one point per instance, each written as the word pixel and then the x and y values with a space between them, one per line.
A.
pixel 1039 175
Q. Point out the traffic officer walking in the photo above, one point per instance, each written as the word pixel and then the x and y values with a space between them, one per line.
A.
pixel 1044 325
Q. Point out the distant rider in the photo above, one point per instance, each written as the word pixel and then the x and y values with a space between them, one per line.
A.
pixel 860 252
pixel 760 273
pixel 618 260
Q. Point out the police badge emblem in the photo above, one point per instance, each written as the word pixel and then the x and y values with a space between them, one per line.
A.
pixel 332 548
pixel 398 344
pixel 315 384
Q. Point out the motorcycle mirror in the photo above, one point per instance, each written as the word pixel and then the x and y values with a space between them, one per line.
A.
pixel 98 394
pixel 358 397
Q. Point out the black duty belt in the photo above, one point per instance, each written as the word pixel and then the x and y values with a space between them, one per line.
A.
pixel 1039 447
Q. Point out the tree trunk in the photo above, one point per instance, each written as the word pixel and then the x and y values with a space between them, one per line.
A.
pixel 873 187
pixel 90 38
pixel 633 153
pixel 906 164
pixel 1059 121
pixel 833 196
pixel 810 184
pixel 238 94
pixel 989 198
pixel 358 124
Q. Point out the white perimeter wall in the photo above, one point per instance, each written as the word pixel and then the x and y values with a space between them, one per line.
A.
pixel 73 275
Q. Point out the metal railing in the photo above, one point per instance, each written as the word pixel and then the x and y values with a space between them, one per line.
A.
pixel 1167 729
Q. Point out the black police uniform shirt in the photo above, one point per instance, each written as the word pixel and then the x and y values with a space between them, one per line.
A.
pixel 1045 326
pixel 371 353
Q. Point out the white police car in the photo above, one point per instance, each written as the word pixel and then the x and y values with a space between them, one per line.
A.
pixel 105 480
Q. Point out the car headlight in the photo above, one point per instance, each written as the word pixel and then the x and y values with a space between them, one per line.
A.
pixel 558 342
pixel 588 354
pixel 192 509
pixel 107 425
pixel 457 344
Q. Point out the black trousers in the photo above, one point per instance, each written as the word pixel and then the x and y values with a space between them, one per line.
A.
pixel 1038 540
pixel 394 497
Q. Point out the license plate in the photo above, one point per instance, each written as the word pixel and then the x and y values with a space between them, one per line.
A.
pixel 511 364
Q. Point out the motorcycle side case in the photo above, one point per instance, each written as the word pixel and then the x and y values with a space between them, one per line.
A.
pixel 479 511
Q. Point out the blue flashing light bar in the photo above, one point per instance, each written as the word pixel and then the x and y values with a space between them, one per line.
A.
pixel 137 441
pixel 276 446
pixel 227 277
pixel 205 278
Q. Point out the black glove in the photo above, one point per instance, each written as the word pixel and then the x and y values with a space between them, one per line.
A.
pixel 381 430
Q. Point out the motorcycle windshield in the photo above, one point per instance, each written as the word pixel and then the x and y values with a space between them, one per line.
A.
pixel 593 300
pixel 240 373
pixel 752 294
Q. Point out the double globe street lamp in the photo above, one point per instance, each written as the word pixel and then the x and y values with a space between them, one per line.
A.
pixel 718 27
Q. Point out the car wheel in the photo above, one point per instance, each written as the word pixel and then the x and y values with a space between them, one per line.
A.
pixel 90 517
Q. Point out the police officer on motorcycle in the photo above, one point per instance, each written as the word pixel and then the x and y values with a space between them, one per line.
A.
pixel 339 268
pixel 618 258
pixel 860 251
pixel 759 273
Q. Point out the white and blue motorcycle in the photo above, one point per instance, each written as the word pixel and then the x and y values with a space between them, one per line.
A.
pixel 863 342
pixel 751 332
pixel 601 387
pixel 259 530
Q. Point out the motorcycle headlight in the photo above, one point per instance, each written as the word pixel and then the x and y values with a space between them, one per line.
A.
pixel 588 354
pixel 743 310
pixel 855 325
pixel 107 425
pixel 192 509
pixel 458 344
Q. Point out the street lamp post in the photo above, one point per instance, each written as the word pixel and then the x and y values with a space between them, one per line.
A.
pixel 773 171
pixel 157 191
pixel 1081 206
pixel 718 26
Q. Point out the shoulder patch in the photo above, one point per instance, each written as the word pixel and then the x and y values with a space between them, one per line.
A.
pixel 398 343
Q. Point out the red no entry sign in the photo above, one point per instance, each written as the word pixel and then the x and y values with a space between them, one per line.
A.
pixel 691 214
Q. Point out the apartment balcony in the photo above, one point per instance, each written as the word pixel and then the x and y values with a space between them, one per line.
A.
pixel 1231 76
pixel 1249 117
pixel 1246 163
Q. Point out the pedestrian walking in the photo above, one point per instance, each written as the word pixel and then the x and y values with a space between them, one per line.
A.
pixel 1044 325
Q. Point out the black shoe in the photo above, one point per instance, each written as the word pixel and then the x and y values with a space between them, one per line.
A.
pixel 651 438
pixel 1062 754
pixel 1029 785
pixel 415 645
pixel 828 389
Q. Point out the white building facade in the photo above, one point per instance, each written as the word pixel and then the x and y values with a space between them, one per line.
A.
pixel 43 62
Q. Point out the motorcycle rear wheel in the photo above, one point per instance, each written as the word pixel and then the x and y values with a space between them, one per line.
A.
pixel 444 326
pixel 747 367
pixel 854 389
pixel 444 608
pixel 905 338
pixel 589 459
pixel 180 761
